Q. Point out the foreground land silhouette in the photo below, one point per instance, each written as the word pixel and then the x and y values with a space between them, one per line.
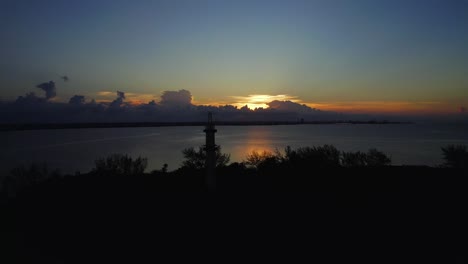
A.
pixel 302 203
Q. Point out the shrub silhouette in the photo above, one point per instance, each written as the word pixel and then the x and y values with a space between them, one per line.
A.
pixel 118 164
pixel 455 156
pixel 23 177
pixel 326 156
pixel 375 158
pixel 322 156
pixel 162 171
pixel 33 174
pixel 257 159
pixel 196 159
pixel 353 159
pixel 164 168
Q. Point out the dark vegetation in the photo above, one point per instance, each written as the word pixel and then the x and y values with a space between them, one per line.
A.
pixel 120 165
pixel 319 194
pixel 195 159
pixel 455 156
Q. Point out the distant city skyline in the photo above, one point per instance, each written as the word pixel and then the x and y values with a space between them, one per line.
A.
pixel 366 57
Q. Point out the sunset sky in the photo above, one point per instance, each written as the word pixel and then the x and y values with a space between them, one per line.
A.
pixel 357 56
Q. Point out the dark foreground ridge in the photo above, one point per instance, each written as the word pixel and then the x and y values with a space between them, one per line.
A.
pixel 390 214
pixel 15 127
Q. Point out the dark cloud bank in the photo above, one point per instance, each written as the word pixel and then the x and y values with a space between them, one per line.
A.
pixel 174 106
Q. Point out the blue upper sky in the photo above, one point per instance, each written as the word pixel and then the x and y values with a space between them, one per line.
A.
pixel 331 52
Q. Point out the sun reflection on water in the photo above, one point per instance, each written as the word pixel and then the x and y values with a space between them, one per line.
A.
pixel 256 139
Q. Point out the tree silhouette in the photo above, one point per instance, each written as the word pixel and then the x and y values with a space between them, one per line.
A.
pixel 322 156
pixel 23 177
pixel 373 158
pixel 118 164
pixel 455 156
pixel 376 158
pixel 256 159
pixel 164 168
pixel 353 159
pixel 326 156
pixel 195 159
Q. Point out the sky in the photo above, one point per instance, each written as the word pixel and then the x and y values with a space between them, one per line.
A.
pixel 404 57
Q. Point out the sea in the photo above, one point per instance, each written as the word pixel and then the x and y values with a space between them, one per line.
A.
pixel 75 150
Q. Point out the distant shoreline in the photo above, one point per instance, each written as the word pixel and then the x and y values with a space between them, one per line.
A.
pixel 20 127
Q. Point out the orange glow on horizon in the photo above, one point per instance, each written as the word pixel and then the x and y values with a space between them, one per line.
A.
pixel 130 98
pixel 385 107
pixel 262 100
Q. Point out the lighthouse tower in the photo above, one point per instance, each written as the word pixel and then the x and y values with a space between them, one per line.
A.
pixel 210 148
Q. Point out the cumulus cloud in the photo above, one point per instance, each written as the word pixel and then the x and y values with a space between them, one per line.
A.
pixel 176 98
pixel 29 98
pixel 289 106
pixel 77 100
pixel 119 100
pixel 120 95
pixel 174 106
pixel 49 89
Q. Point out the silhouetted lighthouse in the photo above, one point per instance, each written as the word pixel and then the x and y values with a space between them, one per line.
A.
pixel 210 148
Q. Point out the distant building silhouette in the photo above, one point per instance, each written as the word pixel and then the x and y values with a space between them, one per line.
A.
pixel 210 148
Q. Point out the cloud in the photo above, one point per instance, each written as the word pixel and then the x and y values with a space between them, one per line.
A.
pixel 105 93
pixel 131 98
pixel 288 106
pixel 265 98
pixel 29 98
pixel 77 100
pixel 119 100
pixel 253 101
pixel 49 89
pixel 174 106
pixel 120 95
pixel 176 98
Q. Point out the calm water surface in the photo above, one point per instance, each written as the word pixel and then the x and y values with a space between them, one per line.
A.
pixel 76 149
